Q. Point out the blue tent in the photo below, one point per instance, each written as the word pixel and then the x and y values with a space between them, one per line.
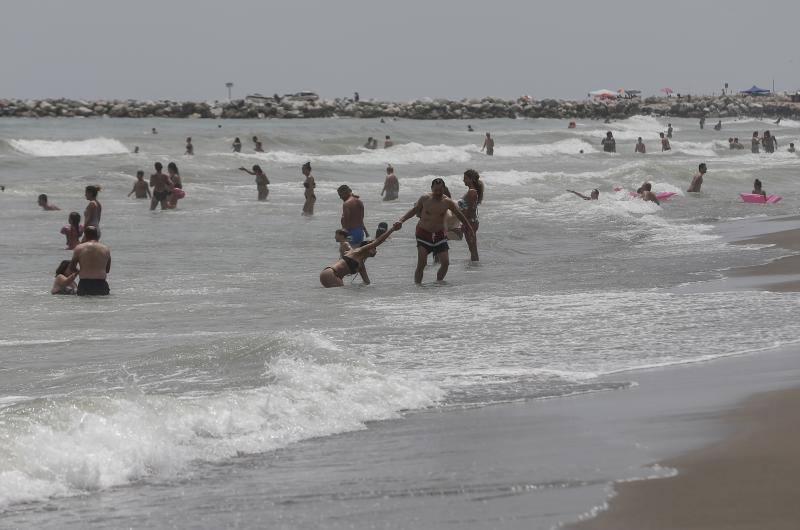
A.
pixel 755 91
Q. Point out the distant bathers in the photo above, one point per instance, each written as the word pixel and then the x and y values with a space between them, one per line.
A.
pixel 432 242
pixel 92 287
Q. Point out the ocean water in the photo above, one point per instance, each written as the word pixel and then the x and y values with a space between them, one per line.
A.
pixel 219 346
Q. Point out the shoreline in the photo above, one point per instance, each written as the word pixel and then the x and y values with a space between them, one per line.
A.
pixel 421 109
pixel 747 480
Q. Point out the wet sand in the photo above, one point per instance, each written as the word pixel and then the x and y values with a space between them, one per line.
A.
pixel 747 481
pixel 782 270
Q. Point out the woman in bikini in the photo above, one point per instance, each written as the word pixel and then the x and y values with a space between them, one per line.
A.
pixel 352 262
pixel 174 177
pixel 309 185
pixel 64 282
pixel 91 217
pixel 261 181
pixel 469 207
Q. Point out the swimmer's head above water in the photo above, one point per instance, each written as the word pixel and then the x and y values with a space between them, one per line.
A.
pixel 306 169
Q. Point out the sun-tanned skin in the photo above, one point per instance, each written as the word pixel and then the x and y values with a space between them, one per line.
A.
pixel 333 276
pixel 431 209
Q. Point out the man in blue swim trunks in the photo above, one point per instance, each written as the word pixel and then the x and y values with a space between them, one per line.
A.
pixel 352 216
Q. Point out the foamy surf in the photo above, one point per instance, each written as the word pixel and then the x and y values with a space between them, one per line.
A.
pixel 53 148
pixel 71 445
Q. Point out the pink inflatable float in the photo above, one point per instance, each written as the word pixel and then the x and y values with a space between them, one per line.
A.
pixel 760 199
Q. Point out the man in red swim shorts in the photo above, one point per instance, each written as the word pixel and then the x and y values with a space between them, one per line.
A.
pixel 431 232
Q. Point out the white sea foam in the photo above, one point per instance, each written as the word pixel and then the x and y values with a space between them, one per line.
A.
pixel 570 146
pixel 71 445
pixel 51 148
pixel 411 153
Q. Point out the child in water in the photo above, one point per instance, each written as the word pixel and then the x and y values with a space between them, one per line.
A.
pixel 73 231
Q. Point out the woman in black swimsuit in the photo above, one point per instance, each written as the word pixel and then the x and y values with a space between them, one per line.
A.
pixel 352 262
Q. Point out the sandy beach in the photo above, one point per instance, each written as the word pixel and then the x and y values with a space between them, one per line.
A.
pixel 746 481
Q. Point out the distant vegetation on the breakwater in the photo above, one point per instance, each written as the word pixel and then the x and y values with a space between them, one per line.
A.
pixel 424 109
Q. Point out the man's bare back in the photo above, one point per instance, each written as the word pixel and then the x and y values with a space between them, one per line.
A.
pixel 93 260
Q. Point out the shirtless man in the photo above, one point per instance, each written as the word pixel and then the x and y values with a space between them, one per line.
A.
pixel 161 187
pixel 431 237
pixel 352 215
pixel 92 260
pixel 697 181
pixel 387 143
pixel 140 187
pixel 42 201
pixel 640 147
pixel 669 130
pixel 189 147
pixel 664 143
pixel 488 144
pixel 391 186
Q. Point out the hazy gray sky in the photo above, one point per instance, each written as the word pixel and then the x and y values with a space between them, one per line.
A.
pixel 399 50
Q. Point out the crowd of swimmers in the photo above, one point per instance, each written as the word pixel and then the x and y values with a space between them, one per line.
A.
pixel 440 218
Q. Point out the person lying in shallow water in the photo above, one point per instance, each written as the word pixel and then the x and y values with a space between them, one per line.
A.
pixel 593 196
pixel 352 262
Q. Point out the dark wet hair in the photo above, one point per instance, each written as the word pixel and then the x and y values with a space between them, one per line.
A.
pixel 173 166
pixel 755 133
pixel 255 138
pixel 473 175
pixel 42 197
pixel 702 166
pixel 436 181
pixel 158 166
pixel 75 219
pixel 389 169
pixel 647 186
pixel 446 192
pixel 307 166
pixel 92 190
pixel 382 228
pixel 757 183
pixel 62 267
pixel 344 188
pixel 90 233
pixel 256 168
pixel 139 173
pixel 387 136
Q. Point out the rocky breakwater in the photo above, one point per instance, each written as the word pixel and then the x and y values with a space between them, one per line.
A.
pixel 71 108
pixel 423 109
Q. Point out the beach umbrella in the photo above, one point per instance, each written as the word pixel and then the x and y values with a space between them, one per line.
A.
pixel 667 91
pixel 603 94
pixel 755 91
